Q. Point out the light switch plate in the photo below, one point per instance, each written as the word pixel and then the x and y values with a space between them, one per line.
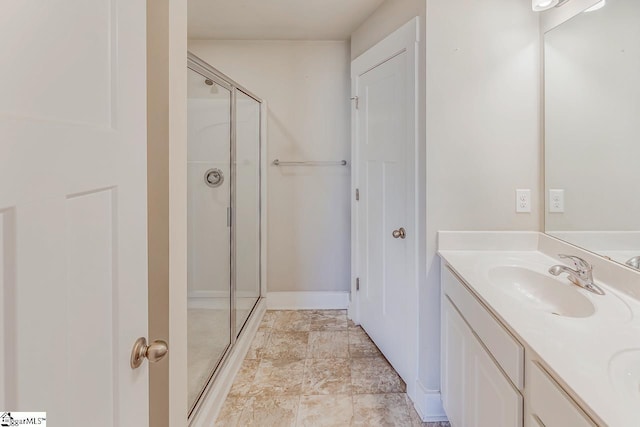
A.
pixel 556 201
pixel 523 201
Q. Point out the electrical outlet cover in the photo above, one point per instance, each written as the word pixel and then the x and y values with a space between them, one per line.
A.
pixel 556 201
pixel 523 201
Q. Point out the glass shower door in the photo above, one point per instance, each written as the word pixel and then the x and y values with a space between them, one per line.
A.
pixel 224 219
pixel 246 206
pixel 209 232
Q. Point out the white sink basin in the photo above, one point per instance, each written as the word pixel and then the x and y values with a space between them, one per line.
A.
pixel 624 372
pixel 541 292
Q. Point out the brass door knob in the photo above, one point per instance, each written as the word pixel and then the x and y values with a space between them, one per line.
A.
pixel 154 351
pixel 400 233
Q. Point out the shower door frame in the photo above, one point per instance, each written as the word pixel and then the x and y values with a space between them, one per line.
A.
pixel 203 68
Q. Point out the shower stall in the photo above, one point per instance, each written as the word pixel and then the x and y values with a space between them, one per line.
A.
pixel 224 216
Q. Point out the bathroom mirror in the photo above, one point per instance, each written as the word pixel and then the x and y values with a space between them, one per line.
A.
pixel 592 130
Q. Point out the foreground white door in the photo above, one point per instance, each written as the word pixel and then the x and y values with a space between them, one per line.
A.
pixel 73 264
pixel 384 82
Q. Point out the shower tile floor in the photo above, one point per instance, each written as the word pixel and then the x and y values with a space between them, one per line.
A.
pixel 208 336
pixel 316 368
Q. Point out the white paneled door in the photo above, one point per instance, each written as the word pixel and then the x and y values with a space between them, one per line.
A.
pixel 384 174
pixel 73 256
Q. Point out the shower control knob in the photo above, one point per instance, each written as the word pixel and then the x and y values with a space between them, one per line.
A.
pixel 154 351
pixel 214 177
pixel 400 233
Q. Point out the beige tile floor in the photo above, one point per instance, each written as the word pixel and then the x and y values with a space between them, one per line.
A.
pixel 315 368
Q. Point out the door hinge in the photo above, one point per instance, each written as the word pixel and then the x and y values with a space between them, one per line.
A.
pixel 357 283
pixel 357 99
pixel 357 194
pixel 228 217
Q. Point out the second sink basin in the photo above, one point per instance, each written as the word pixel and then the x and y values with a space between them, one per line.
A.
pixel 542 292
pixel 624 373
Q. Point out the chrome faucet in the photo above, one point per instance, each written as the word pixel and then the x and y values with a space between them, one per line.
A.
pixel 581 276
pixel 634 262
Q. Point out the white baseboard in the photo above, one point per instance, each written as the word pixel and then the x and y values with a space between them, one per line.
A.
pixel 215 395
pixel 307 300
pixel 428 404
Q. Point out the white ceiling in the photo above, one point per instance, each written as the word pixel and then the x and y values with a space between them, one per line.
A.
pixel 277 19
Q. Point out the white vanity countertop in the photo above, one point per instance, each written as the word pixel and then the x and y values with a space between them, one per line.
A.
pixel 578 351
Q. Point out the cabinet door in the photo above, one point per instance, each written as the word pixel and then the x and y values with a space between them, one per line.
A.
pixel 491 399
pixel 475 393
pixel 454 348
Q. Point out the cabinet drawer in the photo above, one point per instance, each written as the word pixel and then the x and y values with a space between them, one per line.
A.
pixel 550 406
pixel 504 348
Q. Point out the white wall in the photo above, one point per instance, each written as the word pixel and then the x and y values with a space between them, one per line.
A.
pixel 483 137
pixel 306 86
pixel 481 98
pixel 389 16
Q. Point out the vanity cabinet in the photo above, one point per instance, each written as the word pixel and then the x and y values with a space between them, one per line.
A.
pixel 475 391
pixel 484 368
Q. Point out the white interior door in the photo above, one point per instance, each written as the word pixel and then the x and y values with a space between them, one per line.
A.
pixel 385 176
pixel 73 251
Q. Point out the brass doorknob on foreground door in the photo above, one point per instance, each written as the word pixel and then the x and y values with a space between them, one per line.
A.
pixel 400 233
pixel 154 351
